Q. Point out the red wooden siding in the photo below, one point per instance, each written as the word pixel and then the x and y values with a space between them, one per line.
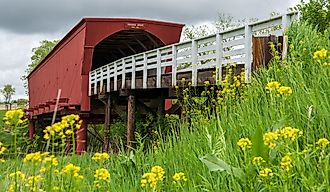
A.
pixel 68 65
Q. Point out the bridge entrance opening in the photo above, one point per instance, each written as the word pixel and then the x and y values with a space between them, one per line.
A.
pixel 122 44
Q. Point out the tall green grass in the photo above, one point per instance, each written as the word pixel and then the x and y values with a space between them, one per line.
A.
pixel 307 109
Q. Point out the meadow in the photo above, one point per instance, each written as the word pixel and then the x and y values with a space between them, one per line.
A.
pixel 269 135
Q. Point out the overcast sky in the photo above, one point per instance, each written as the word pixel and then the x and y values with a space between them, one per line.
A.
pixel 24 23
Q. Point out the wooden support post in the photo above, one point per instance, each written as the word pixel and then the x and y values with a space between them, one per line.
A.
pixel 81 138
pixel 32 129
pixel 130 120
pixel 107 115
pixel 161 106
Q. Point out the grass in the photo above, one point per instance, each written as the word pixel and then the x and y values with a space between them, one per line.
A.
pixel 206 149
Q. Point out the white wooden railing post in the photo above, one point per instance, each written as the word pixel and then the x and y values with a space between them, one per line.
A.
pixel 285 24
pixel 101 80
pixel 145 71
pixel 115 87
pixel 95 81
pixel 194 61
pixel 108 78
pixel 174 65
pixel 133 73
pixel 248 53
pixel 123 76
pixel 90 83
pixel 159 70
pixel 219 55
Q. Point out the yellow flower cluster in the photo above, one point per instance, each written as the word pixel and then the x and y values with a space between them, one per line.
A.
pixel 286 163
pixel 323 142
pixel 102 174
pixel 179 177
pixel 151 179
pixel 266 172
pixel 258 161
pixel 14 117
pixel 270 138
pixel 290 133
pixel 32 181
pixel 73 170
pixel 283 90
pixel 2 149
pixel 33 157
pixel 320 54
pixel 63 128
pixel 244 143
pixel 285 133
pixel 275 86
pixel 17 175
pixel 233 86
pixel 51 160
pixel 100 156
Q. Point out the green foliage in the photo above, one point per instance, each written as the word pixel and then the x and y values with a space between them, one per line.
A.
pixel 316 12
pixel 38 54
pixel 299 164
pixel 7 91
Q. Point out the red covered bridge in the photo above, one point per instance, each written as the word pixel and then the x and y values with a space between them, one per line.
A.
pixel 105 68
pixel 93 42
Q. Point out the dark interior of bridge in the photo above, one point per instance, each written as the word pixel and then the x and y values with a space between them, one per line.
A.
pixel 123 44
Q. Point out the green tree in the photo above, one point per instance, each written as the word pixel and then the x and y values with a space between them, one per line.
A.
pixel 316 12
pixel 8 91
pixel 38 54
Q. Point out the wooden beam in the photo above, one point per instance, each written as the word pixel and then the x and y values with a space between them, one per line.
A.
pixel 130 121
pixel 81 138
pixel 152 40
pixel 107 125
pixel 142 45
pixel 131 48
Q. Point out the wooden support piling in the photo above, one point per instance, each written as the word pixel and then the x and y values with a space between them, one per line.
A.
pixel 32 129
pixel 107 115
pixel 81 138
pixel 130 120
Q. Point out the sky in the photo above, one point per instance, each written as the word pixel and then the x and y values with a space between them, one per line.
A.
pixel 24 23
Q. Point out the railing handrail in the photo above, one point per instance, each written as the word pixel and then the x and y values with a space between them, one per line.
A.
pixel 245 31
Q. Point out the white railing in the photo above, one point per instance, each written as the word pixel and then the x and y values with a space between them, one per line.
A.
pixel 214 51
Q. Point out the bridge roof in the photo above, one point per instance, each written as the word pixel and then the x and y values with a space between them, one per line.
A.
pixel 82 23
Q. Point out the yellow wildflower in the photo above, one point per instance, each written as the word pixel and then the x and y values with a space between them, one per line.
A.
pixel 258 161
pixel 323 142
pixel 102 175
pixel 159 171
pixel 290 133
pixel 206 83
pixel 2 149
pixel 73 170
pixel 18 174
pixel 14 117
pixel 284 90
pixel 286 163
pixel 33 180
pixel 100 157
pixel 266 172
pixel 274 85
pixel 320 54
pixel 179 177
pixel 149 180
pixel 33 157
pixel 269 139
pixel 244 143
pixel 51 160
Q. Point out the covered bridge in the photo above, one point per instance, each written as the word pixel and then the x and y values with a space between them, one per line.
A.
pixel 92 43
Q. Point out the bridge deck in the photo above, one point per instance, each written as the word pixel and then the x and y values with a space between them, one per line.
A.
pixel 164 67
